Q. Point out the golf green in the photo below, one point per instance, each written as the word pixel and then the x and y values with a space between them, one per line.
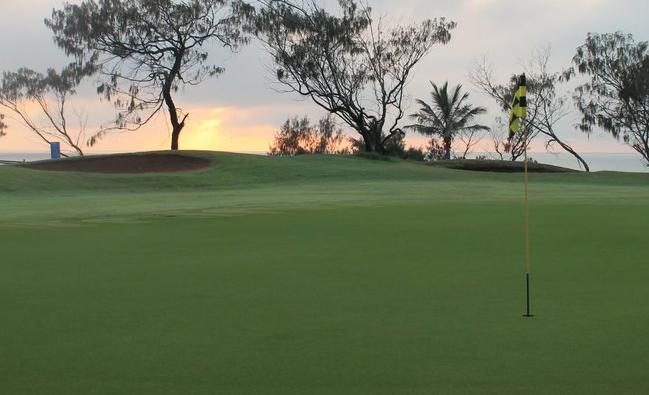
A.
pixel 321 275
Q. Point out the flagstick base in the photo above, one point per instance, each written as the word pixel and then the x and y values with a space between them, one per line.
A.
pixel 527 283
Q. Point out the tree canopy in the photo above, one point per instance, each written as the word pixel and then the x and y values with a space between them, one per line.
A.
pixel 348 63
pixel 146 50
pixel 616 95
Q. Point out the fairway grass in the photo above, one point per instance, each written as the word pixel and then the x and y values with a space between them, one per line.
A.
pixel 321 275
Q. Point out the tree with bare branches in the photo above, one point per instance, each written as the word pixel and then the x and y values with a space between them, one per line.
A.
pixel 546 107
pixel 469 138
pixel 147 50
pixel 505 147
pixel 39 102
pixel 349 64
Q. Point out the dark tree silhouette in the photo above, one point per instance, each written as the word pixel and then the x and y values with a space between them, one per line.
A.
pixel 348 63
pixel 616 95
pixel 147 50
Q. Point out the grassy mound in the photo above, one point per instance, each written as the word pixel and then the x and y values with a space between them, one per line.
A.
pixel 236 171
pixel 124 163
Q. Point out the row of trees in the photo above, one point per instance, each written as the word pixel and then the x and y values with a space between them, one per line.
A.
pixel 144 51
pixel 614 98
pixel 346 61
pixel 298 136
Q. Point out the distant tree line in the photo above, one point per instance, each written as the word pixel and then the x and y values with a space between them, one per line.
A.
pixel 347 62
pixel 298 136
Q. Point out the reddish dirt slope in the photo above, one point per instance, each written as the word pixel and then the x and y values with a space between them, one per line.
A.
pixel 125 164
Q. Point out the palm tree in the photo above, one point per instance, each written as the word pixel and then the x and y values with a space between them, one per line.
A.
pixel 447 116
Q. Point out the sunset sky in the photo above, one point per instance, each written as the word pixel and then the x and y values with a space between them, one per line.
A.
pixel 240 110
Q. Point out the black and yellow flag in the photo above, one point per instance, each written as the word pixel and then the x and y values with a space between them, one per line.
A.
pixel 519 107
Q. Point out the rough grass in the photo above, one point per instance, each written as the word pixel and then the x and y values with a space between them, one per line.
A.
pixel 321 275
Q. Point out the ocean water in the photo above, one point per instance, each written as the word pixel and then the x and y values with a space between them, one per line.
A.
pixel 597 162
pixel 23 156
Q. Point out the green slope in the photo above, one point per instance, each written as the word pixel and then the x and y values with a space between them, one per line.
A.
pixel 240 183
pixel 321 275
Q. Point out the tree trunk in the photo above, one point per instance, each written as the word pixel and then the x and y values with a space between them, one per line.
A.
pixel 576 155
pixel 448 144
pixel 175 137
pixel 176 125
pixel 369 147
pixel 372 142
pixel 566 148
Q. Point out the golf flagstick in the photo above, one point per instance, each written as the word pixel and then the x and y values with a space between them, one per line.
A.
pixel 528 269
pixel 516 122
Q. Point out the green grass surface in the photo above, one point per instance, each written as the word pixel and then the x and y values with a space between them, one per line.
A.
pixel 321 275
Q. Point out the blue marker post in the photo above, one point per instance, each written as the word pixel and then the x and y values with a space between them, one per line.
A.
pixel 55 150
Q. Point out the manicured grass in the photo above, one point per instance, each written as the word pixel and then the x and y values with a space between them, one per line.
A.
pixel 321 275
